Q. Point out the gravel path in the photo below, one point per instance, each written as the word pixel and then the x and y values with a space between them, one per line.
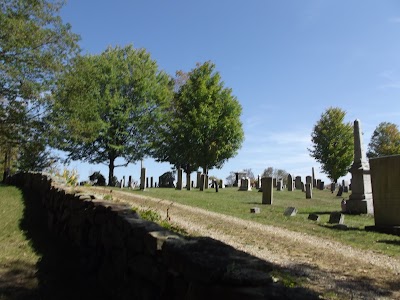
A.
pixel 334 270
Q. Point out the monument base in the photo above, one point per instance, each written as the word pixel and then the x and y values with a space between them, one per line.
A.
pixel 384 229
pixel 356 207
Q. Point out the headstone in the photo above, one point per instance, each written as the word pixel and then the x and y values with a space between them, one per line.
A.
pixel 192 184
pixel 123 181
pixel 198 180
pixel 290 212
pixel 188 180
pixel 267 190
pixel 360 201
pixel 336 218
pixel 202 182
pixel 245 184
pixel 216 186
pixel 258 183
pixel 385 177
pixel 166 180
pixel 309 180
pixel 274 182
pixel 313 217
pixel 321 185
pixel 206 181
pixel 303 187
pixel 290 183
pixel 346 189
pixel 129 181
pixel 179 183
pixel 318 183
pixel 279 186
pixel 221 184
pixel 308 191
pixel 238 177
pixel 121 184
pixel 333 187
pixel 297 182
pixel 343 205
pixel 340 191
pixel 147 182
pixel 255 210
pixel 142 179
pixel 151 182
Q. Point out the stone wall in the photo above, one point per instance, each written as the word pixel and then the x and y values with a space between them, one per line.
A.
pixel 137 259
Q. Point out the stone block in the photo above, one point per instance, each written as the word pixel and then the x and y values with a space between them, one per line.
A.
pixel 290 212
pixel 336 218
pixel 313 217
pixel 255 210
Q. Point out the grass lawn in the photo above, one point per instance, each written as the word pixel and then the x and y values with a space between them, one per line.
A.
pixel 17 256
pixel 236 203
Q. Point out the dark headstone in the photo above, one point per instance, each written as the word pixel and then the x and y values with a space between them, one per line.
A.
pixel 336 218
pixel 340 192
pixel 313 217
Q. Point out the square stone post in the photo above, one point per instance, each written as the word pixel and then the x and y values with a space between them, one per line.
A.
pixel 267 190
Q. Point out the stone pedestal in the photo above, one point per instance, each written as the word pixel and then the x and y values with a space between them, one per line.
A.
pixel 360 200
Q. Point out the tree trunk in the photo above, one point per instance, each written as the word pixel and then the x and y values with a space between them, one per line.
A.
pixel 111 171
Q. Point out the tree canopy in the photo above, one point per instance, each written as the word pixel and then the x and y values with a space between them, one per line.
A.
pixel 385 140
pixel 34 46
pixel 333 143
pixel 203 127
pixel 107 106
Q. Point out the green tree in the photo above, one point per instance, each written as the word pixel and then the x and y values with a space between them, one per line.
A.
pixel 333 144
pixel 107 106
pixel 275 173
pixel 385 140
pixel 203 127
pixel 34 46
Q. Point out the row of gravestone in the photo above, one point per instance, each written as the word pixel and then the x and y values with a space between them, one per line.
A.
pixel 334 217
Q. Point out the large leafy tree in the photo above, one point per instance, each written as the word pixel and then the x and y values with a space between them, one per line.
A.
pixel 333 145
pixel 107 106
pixel 34 46
pixel 385 140
pixel 203 127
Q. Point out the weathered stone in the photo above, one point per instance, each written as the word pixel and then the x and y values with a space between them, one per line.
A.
pixel 385 176
pixel 336 218
pixel 313 217
pixel 360 200
pixel 290 212
pixel 255 210
pixel 298 182
pixel 290 183
pixel 267 190
pixel 308 190
pixel 340 191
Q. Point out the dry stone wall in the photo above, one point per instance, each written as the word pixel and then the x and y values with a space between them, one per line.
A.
pixel 137 259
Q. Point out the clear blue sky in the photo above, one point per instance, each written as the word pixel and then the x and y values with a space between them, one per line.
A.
pixel 286 62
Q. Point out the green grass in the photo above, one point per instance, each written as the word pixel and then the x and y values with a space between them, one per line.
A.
pixel 236 203
pixel 17 256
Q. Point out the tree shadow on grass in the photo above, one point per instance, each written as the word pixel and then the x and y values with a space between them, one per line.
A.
pixel 59 272
pixel 390 242
pixel 345 287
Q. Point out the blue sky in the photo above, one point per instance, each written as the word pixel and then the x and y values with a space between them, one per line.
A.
pixel 286 62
